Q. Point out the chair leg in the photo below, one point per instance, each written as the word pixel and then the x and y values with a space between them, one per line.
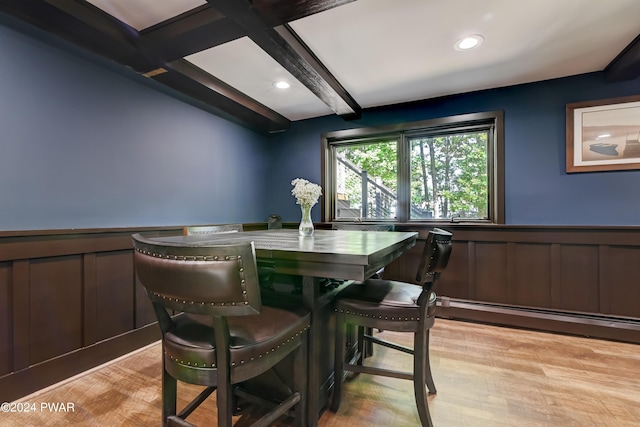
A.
pixel 368 345
pixel 300 375
pixel 422 376
pixel 362 345
pixel 224 399
pixel 427 361
pixel 169 395
pixel 338 361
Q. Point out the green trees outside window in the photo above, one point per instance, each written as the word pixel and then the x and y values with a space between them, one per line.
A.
pixel 449 176
pixel 367 180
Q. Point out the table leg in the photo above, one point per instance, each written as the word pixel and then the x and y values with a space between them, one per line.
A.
pixel 318 299
pixel 310 294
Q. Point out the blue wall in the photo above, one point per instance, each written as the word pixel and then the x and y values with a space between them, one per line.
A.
pixel 85 145
pixel 537 189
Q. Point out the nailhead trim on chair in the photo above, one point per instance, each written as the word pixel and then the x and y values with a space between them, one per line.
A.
pixel 213 365
pixel 201 258
pixel 182 362
pixel 184 258
pixel 200 303
pixel 413 319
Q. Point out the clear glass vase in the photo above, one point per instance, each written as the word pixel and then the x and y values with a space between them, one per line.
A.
pixel 306 225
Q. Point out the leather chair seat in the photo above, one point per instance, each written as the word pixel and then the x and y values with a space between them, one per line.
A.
pixel 387 300
pixel 192 341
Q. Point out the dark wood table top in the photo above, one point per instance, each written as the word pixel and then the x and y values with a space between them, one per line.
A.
pixel 337 254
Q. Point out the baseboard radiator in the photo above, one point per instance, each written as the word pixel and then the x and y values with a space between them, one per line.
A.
pixel 573 323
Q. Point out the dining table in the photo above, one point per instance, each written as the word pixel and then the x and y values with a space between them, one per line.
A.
pixel 321 265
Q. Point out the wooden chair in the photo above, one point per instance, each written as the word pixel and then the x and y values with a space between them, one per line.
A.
pixel 393 306
pixel 212 229
pixel 241 338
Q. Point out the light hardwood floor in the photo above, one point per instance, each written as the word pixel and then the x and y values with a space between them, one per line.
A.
pixel 486 376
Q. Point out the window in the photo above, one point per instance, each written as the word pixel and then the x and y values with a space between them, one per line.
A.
pixel 367 180
pixel 442 169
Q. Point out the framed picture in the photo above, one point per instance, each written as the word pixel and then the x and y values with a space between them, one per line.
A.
pixel 603 135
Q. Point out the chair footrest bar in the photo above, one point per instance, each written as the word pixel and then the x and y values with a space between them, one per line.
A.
pixel 252 398
pixel 354 358
pixel 193 405
pixel 378 371
pixel 280 410
pixel 388 344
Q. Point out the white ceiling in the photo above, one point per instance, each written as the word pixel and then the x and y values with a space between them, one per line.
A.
pixel 141 14
pixel 392 51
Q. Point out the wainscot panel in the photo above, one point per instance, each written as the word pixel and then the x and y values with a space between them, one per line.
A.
pixel 55 307
pixel 115 293
pixel 621 281
pixel 490 272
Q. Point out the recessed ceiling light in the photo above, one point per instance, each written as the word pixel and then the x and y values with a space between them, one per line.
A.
pixel 469 42
pixel 281 84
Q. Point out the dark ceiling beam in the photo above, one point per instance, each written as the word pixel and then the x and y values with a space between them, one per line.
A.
pixel 625 66
pixel 335 96
pixel 205 27
pixel 289 50
pixel 225 100
pixel 188 33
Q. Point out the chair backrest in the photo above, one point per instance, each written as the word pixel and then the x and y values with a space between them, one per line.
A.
pixel 217 280
pixel 435 256
pixel 362 226
pixel 212 229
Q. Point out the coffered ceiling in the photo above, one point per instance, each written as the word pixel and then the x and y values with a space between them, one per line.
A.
pixel 342 56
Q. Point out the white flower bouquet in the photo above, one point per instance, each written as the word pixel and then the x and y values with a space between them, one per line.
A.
pixel 307 193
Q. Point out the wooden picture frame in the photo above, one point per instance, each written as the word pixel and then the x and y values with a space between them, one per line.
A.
pixel 603 135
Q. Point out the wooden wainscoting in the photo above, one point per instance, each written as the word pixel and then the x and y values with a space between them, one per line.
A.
pixel 69 299
pixel 68 302
pixel 578 280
